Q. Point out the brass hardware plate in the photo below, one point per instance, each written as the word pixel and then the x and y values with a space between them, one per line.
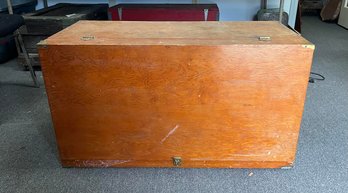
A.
pixel 87 38
pixel 265 38
pixel 177 161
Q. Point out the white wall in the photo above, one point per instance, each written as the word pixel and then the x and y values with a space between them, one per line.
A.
pixel 230 10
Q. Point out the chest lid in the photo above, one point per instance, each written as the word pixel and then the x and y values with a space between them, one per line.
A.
pixel 176 33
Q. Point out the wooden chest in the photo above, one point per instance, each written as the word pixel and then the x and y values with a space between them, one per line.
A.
pixel 176 94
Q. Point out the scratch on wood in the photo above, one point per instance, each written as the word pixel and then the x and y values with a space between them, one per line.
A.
pixel 248 155
pixel 169 134
pixel 233 158
pixel 101 163
pixel 212 159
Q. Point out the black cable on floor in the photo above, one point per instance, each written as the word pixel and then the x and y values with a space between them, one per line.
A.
pixel 316 77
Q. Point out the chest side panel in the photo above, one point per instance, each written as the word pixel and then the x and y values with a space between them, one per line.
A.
pixel 213 106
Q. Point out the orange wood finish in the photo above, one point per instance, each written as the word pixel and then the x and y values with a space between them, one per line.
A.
pixel 137 94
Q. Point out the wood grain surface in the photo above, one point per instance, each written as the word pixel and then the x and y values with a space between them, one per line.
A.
pixel 175 33
pixel 229 106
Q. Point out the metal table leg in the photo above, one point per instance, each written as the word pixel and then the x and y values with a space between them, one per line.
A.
pixel 21 44
pixel 27 59
pixel 281 10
